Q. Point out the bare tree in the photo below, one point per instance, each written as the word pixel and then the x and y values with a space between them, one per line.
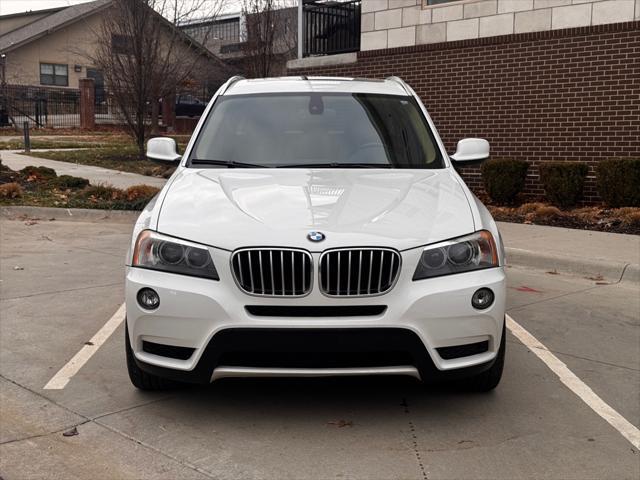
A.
pixel 271 34
pixel 145 57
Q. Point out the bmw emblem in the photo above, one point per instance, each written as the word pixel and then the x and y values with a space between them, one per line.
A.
pixel 316 236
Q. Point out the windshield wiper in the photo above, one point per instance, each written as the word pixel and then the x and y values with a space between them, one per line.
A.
pixel 225 163
pixel 336 165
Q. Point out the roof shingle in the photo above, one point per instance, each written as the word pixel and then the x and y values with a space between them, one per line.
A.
pixel 41 27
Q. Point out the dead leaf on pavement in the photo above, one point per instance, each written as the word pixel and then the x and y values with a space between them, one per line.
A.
pixel 342 423
pixel 71 433
pixel 524 288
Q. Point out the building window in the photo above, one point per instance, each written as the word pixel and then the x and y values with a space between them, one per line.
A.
pixel 54 74
pixel 121 44
pixel 223 29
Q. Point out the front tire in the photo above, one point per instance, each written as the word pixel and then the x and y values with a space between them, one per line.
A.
pixel 489 379
pixel 141 379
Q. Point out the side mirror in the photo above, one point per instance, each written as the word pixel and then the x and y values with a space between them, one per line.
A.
pixel 471 150
pixel 162 149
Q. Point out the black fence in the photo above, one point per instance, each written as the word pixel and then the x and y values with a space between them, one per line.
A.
pixel 331 27
pixel 40 106
pixel 45 107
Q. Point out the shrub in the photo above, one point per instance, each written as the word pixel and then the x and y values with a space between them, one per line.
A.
pixel 546 212
pixel 530 207
pixel 504 178
pixel 628 216
pixel 101 192
pixel 137 192
pixel 618 182
pixel 563 182
pixel 10 190
pixel 138 196
pixel 68 181
pixel 37 174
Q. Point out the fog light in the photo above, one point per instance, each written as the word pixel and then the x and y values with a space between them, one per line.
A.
pixel 482 299
pixel 148 299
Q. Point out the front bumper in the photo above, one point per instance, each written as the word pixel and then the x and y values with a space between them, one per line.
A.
pixel 195 313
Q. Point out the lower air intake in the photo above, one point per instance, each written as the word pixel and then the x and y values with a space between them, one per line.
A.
pixel 169 351
pixel 458 351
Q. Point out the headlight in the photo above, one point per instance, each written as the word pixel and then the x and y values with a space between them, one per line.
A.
pixel 159 252
pixel 464 254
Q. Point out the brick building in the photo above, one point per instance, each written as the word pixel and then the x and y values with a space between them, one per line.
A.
pixel 542 80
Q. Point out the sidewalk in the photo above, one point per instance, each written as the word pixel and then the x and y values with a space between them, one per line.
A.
pixel 96 175
pixel 580 252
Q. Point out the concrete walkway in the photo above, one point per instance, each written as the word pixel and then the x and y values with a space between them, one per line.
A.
pixel 96 175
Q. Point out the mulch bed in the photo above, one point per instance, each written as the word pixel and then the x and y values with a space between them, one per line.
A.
pixel 599 218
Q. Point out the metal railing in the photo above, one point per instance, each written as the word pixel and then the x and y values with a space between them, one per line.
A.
pixel 331 27
pixel 41 106
pixel 55 107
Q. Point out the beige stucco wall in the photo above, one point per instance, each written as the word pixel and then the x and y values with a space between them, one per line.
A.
pixel 68 46
pixel 399 23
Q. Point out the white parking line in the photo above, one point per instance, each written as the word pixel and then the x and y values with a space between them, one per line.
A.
pixel 60 379
pixel 577 386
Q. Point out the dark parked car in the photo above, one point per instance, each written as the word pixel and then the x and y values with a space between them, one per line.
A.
pixel 189 106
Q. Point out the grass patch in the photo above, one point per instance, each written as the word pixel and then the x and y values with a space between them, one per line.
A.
pixel 115 152
pixel 36 144
pixel 66 141
pixel 93 140
pixel 59 132
pixel 115 157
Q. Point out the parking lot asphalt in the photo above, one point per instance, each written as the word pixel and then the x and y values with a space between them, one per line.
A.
pixel 62 280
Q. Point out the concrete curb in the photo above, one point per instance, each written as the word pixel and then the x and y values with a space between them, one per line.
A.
pixel 610 271
pixel 70 214
pixel 593 268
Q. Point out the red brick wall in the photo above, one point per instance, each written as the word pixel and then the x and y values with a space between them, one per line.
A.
pixel 561 95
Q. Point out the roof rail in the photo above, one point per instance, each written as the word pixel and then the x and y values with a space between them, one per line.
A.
pixel 230 83
pixel 401 82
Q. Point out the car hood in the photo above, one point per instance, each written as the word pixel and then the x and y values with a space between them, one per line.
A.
pixel 232 208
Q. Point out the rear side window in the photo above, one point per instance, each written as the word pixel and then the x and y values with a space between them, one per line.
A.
pixel 318 128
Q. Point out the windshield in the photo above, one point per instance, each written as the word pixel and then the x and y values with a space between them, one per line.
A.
pixel 316 130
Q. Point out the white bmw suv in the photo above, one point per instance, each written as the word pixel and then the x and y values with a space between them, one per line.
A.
pixel 315 226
